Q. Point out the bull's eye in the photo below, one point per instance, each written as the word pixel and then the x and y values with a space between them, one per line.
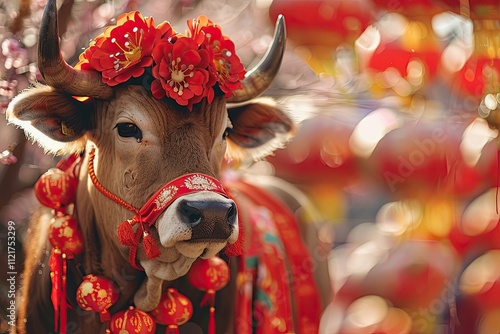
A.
pixel 226 133
pixel 128 130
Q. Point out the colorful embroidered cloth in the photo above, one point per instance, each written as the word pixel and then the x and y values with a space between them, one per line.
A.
pixel 276 288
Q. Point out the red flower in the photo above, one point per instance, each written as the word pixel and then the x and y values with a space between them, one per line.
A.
pixel 196 28
pixel 225 63
pixel 124 50
pixel 185 67
pixel 181 72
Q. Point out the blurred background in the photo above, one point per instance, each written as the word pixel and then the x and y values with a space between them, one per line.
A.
pixel 393 148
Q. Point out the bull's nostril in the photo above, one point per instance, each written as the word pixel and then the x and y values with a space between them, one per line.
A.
pixel 232 214
pixel 208 218
pixel 190 214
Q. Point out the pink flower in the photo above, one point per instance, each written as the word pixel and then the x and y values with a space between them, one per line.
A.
pixel 15 54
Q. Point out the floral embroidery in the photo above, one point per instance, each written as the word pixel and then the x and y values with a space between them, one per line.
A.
pixel 199 182
pixel 165 196
pixel 185 67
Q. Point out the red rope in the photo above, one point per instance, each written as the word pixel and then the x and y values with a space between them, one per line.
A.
pixel 103 190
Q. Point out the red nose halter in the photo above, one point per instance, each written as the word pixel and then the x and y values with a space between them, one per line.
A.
pixel 153 208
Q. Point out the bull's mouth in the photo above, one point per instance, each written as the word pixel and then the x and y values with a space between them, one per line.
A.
pixel 176 261
pixel 197 225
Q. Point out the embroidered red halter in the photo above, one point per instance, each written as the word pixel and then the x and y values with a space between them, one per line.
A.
pixel 153 208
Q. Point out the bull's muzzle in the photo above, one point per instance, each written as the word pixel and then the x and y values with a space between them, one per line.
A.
pixel 209 219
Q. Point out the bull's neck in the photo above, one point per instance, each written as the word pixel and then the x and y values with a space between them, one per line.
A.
pixel 102 254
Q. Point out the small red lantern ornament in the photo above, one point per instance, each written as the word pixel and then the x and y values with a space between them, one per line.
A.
pixel 173 310
pixel 66 240
pixel 65 235
pixel 132 320
pixel 97 294
pixel 209 275
pixel 55 188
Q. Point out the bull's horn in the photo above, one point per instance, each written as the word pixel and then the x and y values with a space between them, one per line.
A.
pixel 258 79
pixel 54 69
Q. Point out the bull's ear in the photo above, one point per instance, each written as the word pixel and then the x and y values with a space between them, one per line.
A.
pixel 258 129
pixel 53 119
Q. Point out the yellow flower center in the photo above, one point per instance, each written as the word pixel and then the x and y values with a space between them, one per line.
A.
pixel 130 50
pixel 178 74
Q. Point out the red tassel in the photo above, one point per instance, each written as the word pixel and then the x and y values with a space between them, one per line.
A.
pixel 126 233
pixel 209 299
pixel 104 315
pixel 211 321
pixel 172 329
pixel 55 265
pixel 150 247
pixel 64 306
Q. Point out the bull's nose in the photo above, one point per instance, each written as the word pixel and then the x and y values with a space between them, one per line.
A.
pixel 210 219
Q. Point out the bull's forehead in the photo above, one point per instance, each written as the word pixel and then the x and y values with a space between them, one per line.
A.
pixel 175 141
pixel 137 104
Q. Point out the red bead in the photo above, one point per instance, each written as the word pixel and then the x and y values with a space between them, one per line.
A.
pixel 96 293
pixel 209 274
pixel 65 235
pixel 55 189
pixel 132 320
pixel 174 309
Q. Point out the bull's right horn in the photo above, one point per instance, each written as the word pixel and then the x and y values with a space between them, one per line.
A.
pixel 258 79
pixel 54 69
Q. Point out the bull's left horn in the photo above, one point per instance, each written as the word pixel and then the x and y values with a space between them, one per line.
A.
pixel 54 69
pixel 258 79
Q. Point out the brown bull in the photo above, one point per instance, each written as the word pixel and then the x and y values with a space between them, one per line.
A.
pixel 141 143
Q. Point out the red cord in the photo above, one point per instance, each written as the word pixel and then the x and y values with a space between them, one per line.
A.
pixel 103 190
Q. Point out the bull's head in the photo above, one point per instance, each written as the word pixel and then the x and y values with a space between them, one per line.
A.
pixel 143 142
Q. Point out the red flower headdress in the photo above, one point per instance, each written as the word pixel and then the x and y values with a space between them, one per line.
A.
pixel 185 67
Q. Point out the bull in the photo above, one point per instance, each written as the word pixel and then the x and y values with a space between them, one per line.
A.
pixel 132 144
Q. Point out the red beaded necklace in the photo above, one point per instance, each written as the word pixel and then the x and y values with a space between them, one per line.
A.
pixel 56 189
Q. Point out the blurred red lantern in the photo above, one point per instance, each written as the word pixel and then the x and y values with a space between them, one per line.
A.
pixel 412 160
pixel 481 280
pixel 373 314
pixel 407 55
pixel 55 189
pixel 173 310
pixel 413 275
pixel 97 294
pixel 414 7
pixel 319 152
pixel 323 22
pixel 476 9
pixel 319 27
pixel 479 227
pixel 132 320
pixel 481 73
